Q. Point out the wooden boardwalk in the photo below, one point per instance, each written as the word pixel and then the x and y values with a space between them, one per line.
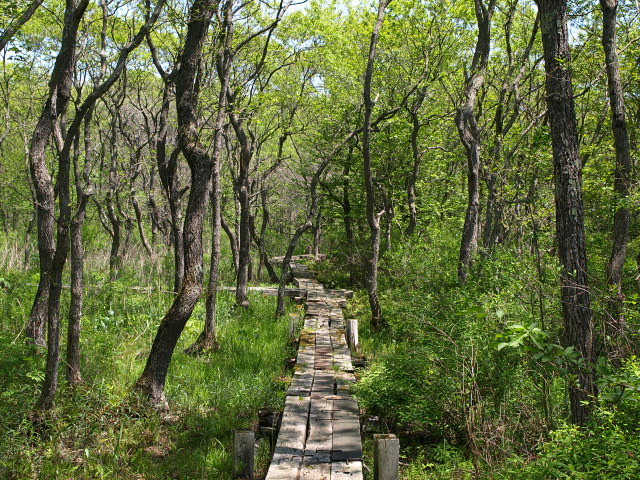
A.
pixel 320 434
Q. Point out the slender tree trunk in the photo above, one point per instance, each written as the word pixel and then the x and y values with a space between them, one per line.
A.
pixel 415 172
pixel 140 223
pixel 372 217
pixel 74 375
pixel 471 137
pixel 260 238
pixel 55 107
pixel 168 171
pixel 233 241
pixel 317 233
pixel 622 217
pixel 208 337
pixel 576 305
pixel 15 25
pixel 72 21
pixel 244 198
pixel 152 380
pixel 347 218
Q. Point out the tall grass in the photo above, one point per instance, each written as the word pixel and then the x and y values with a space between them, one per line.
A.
pixel 103 430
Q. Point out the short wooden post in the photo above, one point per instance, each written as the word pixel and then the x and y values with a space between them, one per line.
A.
pixel 294 320
pixel 386 457
pixel 243 453
pixel 352 333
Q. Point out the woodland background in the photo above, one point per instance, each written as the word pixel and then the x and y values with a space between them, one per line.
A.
pixel 150 152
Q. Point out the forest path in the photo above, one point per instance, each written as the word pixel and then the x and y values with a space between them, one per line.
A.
pixel 320 434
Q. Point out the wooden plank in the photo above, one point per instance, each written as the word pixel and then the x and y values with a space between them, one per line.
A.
pixel 289 451
pixel 316 464
pixel 301 384
pixel 346 470
pixel 322 384
pixel 347 444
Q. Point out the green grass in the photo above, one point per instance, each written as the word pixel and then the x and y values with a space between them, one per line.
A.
pixel 102 430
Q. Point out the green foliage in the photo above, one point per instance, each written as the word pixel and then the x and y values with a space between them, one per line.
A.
pixel 102 429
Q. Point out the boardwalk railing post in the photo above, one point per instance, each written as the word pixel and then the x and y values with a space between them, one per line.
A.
pixel 386 457
pixel 243 453
pixel 293 327
pixel 352 333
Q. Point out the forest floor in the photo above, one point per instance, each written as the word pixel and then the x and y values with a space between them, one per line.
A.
pixel 102 430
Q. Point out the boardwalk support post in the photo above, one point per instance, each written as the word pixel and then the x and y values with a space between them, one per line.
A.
pixel 386 457
pixel 243 453
pixel 352 333
pixel 293 327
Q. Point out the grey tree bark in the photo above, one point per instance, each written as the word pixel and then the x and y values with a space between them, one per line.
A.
pixel 622 216
pixel 151 382
pixel 373 218
pixel 470 135
pixel 572 250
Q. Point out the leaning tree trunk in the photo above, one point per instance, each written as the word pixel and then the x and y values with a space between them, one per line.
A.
pixel 151 382
pixel 74 374
pixel 56 105
pixel 372 218
pixel 15 25
pixel 208 338
pixel 244 198
pixel 576 305
pixel 622 181
pixel 470 136
pixel 50 384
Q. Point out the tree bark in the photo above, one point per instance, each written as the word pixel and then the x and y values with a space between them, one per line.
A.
pixel 168 170
pixel 208 337
pixel 74 373
pixel 372 218
pixel 242 188
pixel 55 106
pixel 470 135
pixel 151 382
pixel 72 21
pixel 233 241
pixel 622 217
pixel 576 305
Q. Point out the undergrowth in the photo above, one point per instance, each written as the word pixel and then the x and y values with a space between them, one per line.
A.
pixel 102 429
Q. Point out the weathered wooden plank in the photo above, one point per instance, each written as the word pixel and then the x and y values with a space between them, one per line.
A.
pixel 316 464
pixel 346 470
pixel 289 451
pixel 325 444
pixel 301 384
pixel 347 444
pixel 322 384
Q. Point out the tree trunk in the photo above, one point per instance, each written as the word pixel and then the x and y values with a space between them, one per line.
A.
pixel 260 238
pixel 73 17
pixel 244 197
pixel 208 337
pixel 14 26
pixel 372 218
pixel 470 136
pixel 415 172
pixel 168 171
pixel 576 306
pixel 74 375
pixel 56 105
pixel 347 218
pixel 152 380
pixel 233 241
pixel 622 217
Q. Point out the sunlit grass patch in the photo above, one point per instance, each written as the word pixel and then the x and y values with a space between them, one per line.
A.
pixel 103 430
